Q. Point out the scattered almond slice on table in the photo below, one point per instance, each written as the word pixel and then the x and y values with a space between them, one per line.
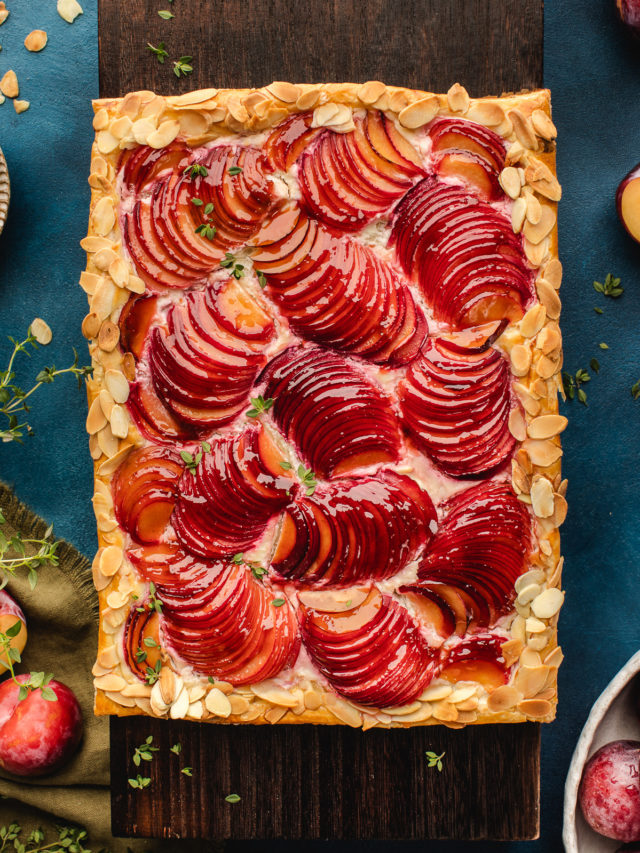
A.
pixel 4 13
pixel 36 41
pixel 9 85
pixel 21 106
pixel 69 10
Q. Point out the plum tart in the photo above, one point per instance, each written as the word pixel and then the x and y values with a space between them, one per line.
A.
pixel 323 322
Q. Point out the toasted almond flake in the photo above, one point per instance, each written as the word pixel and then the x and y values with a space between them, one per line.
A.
pixel 371 91
pixel 517 424
pixel 550 189
pixel 542 453
pixel 312 698
pixel 461 694
pixel 135 284
pixel 95 419
pixel 535 708
pixel 549 339
pixel 93 244
pixel 89 281
pixel 164 135
pixel 108 656
pixel 530 680
pixel 283 91
pixel 520 480
pixel 121 128
pixel 487 113
pixel 103 216
pixel 543 125
pixel 436 692
pixel 536 576
pixel 119 272
pixel 103 259
pixel 308 99
pixel 9 84
pixel 111 682
pixel 553 273
pixel 180 707
pixel 536 233
pixel 523 129
pixel 526 595
pixel 346 713
pixel 101 120
pixel 518 212
pixel 520 360
pixel 398 100
pixel 533 321
pixel 94 448
pixel 542 497
pixel 515 153
pixel 503 698
pixel 549 298
pixel 119 420
pixel 237 112
pixel 4 14
pixel 193 123
pixel 41 331
pixel 142 129
pixel 547 426
pixel 510 181
pixel 106 142
pixel 129 366
pixel 560 508
pixel 117 385
pixel 110 560
pixel 156 700
pixel 108 467
pixel 274 715
pixel 536 252
pixel 518 632
pixel 239 705
pixel 419 113
pixel 530 658
pixel 534 209
pixel 154 107
pixel 324 114
pixel 548 603
pixel 217 703
pixel 108 336
pixel 402 710
pixel 21 106
pixel 458 99
pixel 91 326
pixel 445 711
pixel 196 692
pixel 69 10
pixel 197 97
pixel 130 105
pixel 545 545
pixel 117 599
pixel 554 658
pixel 136 690
pixel 270 692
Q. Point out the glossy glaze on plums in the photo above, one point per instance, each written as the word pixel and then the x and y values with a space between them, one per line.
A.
pixel 347 245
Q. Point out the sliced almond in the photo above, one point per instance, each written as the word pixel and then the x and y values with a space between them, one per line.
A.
pixel 274 715
pixel 121 128
pixel 523 129
pixel 533 321
pixel 549 298
pixel 445 711
pixel 101 119
pixel 21 106
pixel 217 703
pixel 307 100
pixel 510 181
pixel 180 707
pixel 553 273
pixel 117 385
pixel 528 593
pixel 419 112
pixel 9 84
pixel 283 91
pixel 436 692
pixel 371 91
pixel 548 603
pixel 69 10
pixel 542 453
pixel 487 113
pixel 93 244
pixel 312 698
pixel 119 421
pixel 535 708
pixel 129 366
pixel 458 99
pixel 517 424
pixel 542 497
pixel 103 216
pixel 518 213
pixel 345 712
pixel 142 129
pixel 106 142
pixel 534 209
pixel 119 272
pixel 270 692
pixel 104 258
pixel 164 135
pixel 515 153
pixel 543 125
pixel 108 336
pixel 110 682
pixel 135 284
pixel 554 658
pixel 536 576
pixel 239 705
pixel 520 360
pixel 536 233
pixel 547 426
pixel 536 252
pixel 560 509
pixel 95 419
pixel 503 698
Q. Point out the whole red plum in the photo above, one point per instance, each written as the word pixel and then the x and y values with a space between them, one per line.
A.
pixel 610 790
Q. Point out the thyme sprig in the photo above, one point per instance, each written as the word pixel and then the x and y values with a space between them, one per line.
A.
pixel 13 398
pixel 610 287
pixel 145 751
pixel 11 656
pixel 14 554
pixel 229 263
pixel 182 66
pixel 434 760
pixel 259 406
pixel 70 839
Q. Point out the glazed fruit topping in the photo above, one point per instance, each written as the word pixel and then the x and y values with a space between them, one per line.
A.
pixel 354 530
pixel 466 578
pixel 337 418
pixel 456 401
pixel 368 647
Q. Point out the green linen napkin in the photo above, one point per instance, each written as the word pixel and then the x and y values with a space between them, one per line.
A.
pixel 62 614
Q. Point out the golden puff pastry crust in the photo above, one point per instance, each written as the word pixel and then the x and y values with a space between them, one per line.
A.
pixel 532 346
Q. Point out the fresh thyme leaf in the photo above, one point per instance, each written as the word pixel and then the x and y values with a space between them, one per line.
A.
pixel 197 201
pixel 603 346
pixel 595 365
pixel 176 749
pixel 187 771
pixel 237 559
pixel 260 406
pixel 262 281
pixel 258 571
pixel 582 396
pixel 308 479
pixel 232 798
pixel 153 673
pixel 286 465
pixel 182 67
pixel 434 760
pixel 140 782
pixel 141 656
pixel 145 751
pixel 165 15
pixel 635 390
pixel 598 310
pixel 159 52
pixel 278 602
pixel 195 170
pixel 206 447
pixel 611 287
pixel 229 263
pixel 234 170
pixel 208 209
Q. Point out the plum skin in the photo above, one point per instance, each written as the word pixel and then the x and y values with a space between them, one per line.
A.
pixel 37 736
pixel 628 206
pixel 609 792
pixel 629 12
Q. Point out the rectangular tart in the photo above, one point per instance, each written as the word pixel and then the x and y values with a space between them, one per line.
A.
pixel 323 322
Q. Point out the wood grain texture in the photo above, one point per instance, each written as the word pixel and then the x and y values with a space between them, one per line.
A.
pixel 489 46
pixel 310 782
pixel 305 782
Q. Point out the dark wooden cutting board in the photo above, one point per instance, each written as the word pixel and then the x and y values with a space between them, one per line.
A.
pixel 303 781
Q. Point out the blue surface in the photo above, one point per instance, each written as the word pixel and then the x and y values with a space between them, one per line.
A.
pixel 593 71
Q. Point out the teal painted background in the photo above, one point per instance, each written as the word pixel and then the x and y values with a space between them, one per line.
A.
pixel 593 71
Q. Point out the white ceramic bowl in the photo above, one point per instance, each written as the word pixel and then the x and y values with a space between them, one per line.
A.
pixel 5 193
pixel 612 718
